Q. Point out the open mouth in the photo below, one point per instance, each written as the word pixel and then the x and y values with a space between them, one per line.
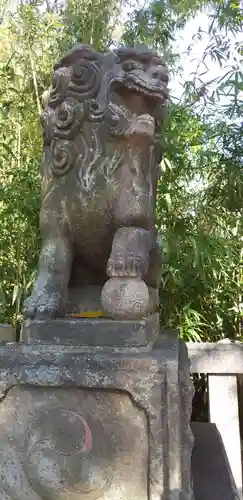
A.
pixel 154 92
pixel 140 97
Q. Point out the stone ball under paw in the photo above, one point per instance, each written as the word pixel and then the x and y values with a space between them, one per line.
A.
pixel 125 298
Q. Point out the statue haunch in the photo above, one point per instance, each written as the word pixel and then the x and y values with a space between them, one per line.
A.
pixel 99 174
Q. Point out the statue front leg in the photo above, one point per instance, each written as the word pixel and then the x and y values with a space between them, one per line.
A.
pixel 130 253
pixel 126 295
pixel 50 293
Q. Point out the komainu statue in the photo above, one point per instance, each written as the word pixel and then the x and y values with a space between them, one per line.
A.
pixel 99 173
pixel 98 409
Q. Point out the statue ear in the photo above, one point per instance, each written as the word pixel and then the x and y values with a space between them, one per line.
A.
pixel 79 51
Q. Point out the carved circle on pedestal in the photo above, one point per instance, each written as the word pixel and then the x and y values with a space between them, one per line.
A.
pixel 61 457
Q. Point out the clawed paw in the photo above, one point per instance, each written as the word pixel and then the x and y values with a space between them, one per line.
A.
pixel 43 304
pixel 126 265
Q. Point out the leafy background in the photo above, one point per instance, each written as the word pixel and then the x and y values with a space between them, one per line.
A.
pixel 200 195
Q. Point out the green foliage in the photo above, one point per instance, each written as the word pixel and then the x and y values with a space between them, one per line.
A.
pixel 200 195
pixel 199 212
pixel 154 25
pixel 21 142
pixel 88 21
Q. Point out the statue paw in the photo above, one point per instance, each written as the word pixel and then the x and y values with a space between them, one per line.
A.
pixel 126 265
pixel 44 304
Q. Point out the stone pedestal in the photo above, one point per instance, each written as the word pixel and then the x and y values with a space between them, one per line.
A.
pixel 95 423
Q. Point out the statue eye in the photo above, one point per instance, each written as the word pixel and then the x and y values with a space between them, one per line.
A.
pixel 131 65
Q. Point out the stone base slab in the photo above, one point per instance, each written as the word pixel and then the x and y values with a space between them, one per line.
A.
pixel 92 332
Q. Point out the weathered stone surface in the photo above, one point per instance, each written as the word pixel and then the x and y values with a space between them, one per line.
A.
pixel 216 357
pixel 160 390
pixel 101 162
pixel 92 332
pixel 84 299
pixel 116 298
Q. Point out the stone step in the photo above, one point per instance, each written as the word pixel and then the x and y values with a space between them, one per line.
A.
pixel 211 471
